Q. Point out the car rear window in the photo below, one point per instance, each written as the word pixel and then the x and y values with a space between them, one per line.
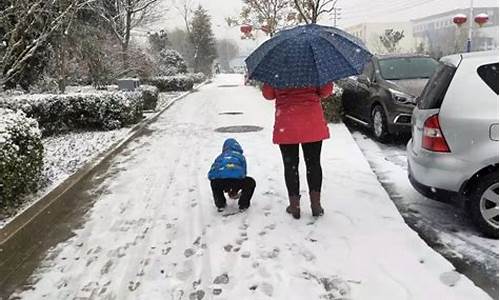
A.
pixel 407 67
pixel 435 90
pixel 489 74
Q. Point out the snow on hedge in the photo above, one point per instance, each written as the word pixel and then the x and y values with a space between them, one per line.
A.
pixel 198 77
pixel 21 153
pixel 67 112
pixel 172 83
pixel 150 96
pixel 171 63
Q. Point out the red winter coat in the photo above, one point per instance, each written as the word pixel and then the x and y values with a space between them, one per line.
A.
pixel 299 116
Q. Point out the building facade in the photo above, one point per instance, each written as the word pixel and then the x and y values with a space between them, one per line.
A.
pixel 438 34
pixel 370 34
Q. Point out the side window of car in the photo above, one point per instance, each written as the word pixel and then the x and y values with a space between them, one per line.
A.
pixel 368 71
pixel 489 74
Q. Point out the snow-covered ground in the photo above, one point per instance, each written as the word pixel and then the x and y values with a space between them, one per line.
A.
pixel 448 228
pixel 153 232
pixel 65 154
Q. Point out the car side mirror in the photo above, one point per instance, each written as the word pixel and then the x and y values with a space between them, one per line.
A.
pixel 364 80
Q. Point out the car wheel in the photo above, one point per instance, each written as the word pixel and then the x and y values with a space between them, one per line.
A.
pixel 379 124
pixel 484 205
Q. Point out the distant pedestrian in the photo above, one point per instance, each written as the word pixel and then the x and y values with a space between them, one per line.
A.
pixel 299 120
pixel 228 174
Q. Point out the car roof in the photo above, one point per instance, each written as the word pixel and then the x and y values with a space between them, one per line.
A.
pixel 456 59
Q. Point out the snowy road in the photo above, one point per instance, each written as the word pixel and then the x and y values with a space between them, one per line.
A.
pixel 153 233
pixel 446 227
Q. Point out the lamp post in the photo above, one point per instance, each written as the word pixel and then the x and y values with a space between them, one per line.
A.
pixel 469 36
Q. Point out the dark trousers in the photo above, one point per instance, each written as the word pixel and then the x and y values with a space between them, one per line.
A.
pixel 312 157
pixel 245 185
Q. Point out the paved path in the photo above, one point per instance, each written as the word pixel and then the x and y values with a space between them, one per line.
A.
pixel 152 231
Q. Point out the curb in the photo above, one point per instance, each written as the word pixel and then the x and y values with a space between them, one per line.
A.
pixel 43 205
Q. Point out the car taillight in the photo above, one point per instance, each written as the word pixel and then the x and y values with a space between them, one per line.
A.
pixel 433 138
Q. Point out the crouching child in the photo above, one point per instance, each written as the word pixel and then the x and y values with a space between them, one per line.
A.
pixel 228 174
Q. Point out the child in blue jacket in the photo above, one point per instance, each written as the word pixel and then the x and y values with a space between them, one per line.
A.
pixel 229 174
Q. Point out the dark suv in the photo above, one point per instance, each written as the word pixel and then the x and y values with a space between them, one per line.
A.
pixel 384 95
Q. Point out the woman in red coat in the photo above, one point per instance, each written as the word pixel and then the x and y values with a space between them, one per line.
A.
pixel 299 120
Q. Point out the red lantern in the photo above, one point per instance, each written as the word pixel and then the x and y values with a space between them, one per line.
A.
pixel 246 29
pixel 481 19
pixel 460 19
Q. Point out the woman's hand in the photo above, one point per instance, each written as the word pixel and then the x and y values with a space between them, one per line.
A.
pixel 268 92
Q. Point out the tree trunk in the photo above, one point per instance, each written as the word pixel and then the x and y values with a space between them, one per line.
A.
pixel 61 80
pixel 126 37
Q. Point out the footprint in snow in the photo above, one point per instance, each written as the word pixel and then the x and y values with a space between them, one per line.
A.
pixel 335 287
pixel 217 292
pixel 270 254
pixel 222 279
pixel 246 254
pixel 188 252
pixel 271 226
pixel 241 241
pixel 196 284
pixel 132 286
pixel 450 278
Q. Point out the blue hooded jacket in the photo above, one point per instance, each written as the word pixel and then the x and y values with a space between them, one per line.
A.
pixel 230 163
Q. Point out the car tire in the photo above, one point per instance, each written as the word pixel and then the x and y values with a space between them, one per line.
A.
pixel 379 124
pixel 482 200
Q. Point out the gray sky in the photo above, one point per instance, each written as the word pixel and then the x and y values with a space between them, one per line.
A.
pixel 353 12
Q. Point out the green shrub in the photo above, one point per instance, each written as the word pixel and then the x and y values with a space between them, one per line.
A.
pixel 198 77
pixel 67 112
pixel 21 156
pixel 332 107
pixel 150 96
pixel 172 83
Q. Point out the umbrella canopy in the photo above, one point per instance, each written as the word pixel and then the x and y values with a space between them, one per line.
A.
pixel 309 55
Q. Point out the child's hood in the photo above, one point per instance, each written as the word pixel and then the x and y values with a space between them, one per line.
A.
pixel 232 145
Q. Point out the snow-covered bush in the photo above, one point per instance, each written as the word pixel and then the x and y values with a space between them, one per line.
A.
pixel 171 63
pixel 150 96
pixel 66 112
pixel 332 106
pixel 198 77
pixel 172 83
pixel 21 156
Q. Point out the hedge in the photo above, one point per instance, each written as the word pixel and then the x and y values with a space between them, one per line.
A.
pixel 66 112
pixel 149 96
pixel 172 83
pixel 198 77
pixel 332 106
pixel 21 156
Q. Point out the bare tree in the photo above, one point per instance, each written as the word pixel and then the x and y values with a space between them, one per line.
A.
pixel 390 40
pixel 29 25
pixel 122 16
pixel 268 15
pixel 310 10
pixel 185 8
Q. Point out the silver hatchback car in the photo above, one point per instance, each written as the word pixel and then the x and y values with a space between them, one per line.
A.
pixel 454 146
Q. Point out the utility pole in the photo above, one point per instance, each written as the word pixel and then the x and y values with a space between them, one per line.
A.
pixel 337 11
pixel 471 18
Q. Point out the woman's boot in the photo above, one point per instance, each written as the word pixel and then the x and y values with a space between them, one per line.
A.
pixel 316 208
pixel 294 207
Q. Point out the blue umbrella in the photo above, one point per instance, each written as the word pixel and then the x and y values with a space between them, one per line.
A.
pixel 309 55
